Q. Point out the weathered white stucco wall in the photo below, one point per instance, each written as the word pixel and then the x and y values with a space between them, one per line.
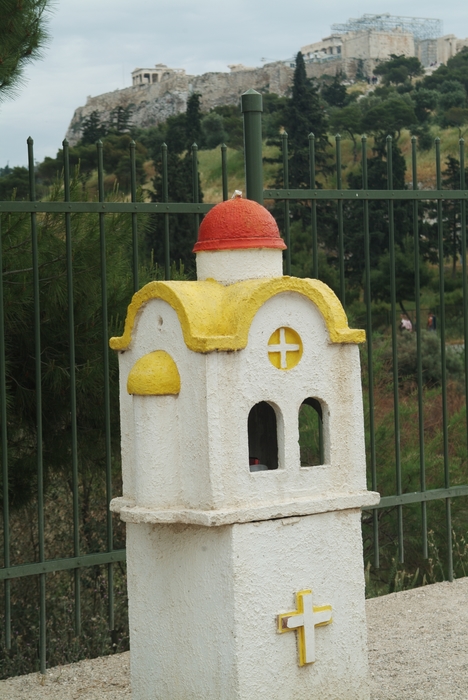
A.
pixel 203 605
pixel 206 425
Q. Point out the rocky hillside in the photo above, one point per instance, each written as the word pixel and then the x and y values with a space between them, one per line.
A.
pixel 154 103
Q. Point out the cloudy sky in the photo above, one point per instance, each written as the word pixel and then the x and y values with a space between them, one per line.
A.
pixel 97 43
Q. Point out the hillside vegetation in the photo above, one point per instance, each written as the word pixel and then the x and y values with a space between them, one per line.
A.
pixel 210 163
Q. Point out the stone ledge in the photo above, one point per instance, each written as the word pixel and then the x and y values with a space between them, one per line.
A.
pixel 131 513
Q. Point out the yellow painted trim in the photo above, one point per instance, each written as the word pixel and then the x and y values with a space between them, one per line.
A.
pixel 321 608
pixel 214 317
pixel 155 374
pixel 301 646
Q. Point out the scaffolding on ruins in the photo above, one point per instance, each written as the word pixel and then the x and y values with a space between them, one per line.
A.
pixel 420 27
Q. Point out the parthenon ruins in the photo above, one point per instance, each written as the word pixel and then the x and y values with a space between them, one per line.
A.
pixel 373 38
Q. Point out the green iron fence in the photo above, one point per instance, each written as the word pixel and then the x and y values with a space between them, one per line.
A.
pixel 37 211
pixel 68 209
pixel 416 197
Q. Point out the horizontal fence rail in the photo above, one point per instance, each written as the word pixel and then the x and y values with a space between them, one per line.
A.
pixel 107 208
pixel 344 207
pixel 353 195
pixel 53 565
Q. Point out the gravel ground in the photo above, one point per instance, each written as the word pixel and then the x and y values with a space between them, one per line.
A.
pixel 418 643
pixel 418 648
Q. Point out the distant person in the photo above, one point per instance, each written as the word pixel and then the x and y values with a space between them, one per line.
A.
pixel 431 322
pixel 405 324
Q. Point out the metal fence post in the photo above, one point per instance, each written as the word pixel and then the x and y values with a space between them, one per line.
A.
pixel 252 108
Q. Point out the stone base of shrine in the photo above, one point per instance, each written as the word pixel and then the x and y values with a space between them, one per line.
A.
pixel 204 606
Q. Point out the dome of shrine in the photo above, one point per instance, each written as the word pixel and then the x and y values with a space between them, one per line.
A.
pixel 238 224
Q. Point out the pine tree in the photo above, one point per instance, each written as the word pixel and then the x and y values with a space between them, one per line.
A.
pixel 304 114
pixel 451 212
pixel 193 129
pixel 23 35
pixel 180 189
pixel 181 226
pixel 92 129
pixel 120 119
pixel 335 92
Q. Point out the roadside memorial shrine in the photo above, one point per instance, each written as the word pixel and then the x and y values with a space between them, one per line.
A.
pixel 245 570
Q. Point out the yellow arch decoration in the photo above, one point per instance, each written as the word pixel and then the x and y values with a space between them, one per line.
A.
pixel 155 374
pixel 214 317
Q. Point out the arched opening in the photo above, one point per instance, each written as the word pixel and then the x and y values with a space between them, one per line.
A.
pixel 263 438
pixel 311 433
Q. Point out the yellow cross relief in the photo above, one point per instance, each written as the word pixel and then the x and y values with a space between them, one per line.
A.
pixel 304 620
pixel 285 348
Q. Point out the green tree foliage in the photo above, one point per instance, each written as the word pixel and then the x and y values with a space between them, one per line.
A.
pixel 334 92
pixel 232 125
pixel 399 69
pixel 304 114
pixel 400 102
pixel 384 117
pixel 14 182
pixel 425 139
pixel 273 114
pixel 451 215
pixel 348 120
pixel 452 104
pixel 452 222
pixel 93 129
pixel 181 131
pixel 378 221
pixel 452 94
pixel 450 83
pixel 176 133
pixel 55 361
pixel 425 102
pixel 404 274
pixel 23 35
pixel 202 129
pixel 456 68
pixel 301 258
pixel 193 129
pixel 152 139
pixel 300 115
pixel 212 126
pixel 430 358
pixel 183 234
pixel 120 119
pixel 116 158
pixel 455 116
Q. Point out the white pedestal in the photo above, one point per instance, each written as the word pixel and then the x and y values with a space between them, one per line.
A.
pixel 204 603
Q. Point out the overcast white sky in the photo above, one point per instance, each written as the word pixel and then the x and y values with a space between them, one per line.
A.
pixel 97 43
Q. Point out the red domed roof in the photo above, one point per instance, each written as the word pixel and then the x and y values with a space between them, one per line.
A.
pixel 238 223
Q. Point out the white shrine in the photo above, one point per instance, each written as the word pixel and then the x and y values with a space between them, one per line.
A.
pixel 231 542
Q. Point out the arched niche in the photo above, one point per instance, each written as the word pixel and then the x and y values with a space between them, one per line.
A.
pixel 311 438
pixel 262 428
